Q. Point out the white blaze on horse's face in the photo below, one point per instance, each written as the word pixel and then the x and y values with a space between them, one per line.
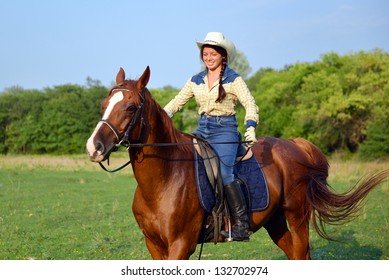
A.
pixel 116 98
pixel 96 152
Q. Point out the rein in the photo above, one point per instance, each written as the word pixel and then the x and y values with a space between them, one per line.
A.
pixel 124 141
pixel 136 145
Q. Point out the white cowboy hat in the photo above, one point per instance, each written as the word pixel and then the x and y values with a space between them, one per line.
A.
pixel 217 39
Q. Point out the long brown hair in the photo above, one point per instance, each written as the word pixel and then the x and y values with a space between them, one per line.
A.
pixel 222 93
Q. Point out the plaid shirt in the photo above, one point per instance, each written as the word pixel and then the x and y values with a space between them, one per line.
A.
pixel 235 88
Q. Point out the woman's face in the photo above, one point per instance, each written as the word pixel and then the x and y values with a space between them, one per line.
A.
pixel 212 59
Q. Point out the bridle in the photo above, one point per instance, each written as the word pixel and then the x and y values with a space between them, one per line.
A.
pixel 124 139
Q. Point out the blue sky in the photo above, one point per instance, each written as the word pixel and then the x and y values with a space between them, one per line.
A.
pixel 48 43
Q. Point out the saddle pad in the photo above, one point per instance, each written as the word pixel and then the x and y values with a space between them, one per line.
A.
pixel 257 194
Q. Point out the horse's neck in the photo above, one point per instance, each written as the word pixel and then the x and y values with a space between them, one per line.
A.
pixel 160 156
pixel 162 129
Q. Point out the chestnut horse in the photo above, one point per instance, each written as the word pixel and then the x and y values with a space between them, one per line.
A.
pixel 166 204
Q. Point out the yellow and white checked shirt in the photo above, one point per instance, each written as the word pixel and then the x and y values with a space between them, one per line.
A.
pixel 235 88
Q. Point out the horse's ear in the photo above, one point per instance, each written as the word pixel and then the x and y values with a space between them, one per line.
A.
pixel 120 77
pixel 144 79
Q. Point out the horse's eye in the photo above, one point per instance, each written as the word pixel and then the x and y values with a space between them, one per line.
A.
pixel 131 108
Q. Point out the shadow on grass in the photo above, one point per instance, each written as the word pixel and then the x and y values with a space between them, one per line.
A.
pixel 347 248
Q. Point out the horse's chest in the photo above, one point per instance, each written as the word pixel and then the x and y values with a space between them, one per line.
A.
pixel 146 212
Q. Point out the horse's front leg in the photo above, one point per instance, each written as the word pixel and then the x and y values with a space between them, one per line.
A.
pixel 181 249
pixel 183 236
pixel 156 251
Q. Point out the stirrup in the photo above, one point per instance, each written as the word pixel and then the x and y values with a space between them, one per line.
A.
pixel 229 236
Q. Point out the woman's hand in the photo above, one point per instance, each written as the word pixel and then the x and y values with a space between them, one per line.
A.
pixel 250 136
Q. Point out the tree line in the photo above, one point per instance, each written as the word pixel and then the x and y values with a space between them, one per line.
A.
pixel 340 103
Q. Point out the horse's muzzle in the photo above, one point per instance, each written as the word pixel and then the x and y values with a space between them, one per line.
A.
pixel 96 150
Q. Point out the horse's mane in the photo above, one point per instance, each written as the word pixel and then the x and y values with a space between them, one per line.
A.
pixel 176 135
pixel 166 120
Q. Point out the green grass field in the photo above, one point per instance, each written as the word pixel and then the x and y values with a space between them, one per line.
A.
pixel 62 208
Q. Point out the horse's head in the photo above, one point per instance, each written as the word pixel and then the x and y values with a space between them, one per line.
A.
pixel 122 111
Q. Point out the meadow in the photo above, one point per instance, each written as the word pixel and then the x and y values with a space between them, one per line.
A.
pixel 66 208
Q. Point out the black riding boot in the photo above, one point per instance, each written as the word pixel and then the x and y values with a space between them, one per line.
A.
pixel 238 210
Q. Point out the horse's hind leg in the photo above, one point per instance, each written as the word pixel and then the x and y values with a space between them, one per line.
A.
pixel 279 233
pixel 293 242
pixel 299 230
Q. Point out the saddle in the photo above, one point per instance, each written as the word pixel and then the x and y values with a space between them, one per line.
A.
pixel 210 188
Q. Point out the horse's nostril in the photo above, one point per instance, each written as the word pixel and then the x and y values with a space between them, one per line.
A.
pixel 100 147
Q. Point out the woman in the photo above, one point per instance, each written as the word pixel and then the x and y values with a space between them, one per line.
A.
pixel 217 90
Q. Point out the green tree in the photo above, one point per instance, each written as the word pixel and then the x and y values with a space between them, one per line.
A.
pixel 70 115
pixel 20 118
pixel 340 103
pixel 330 102
pixel 241 64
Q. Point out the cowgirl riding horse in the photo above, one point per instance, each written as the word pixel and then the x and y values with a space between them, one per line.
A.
pixel 217 90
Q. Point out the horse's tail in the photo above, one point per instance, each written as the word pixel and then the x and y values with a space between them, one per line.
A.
pixel 325 206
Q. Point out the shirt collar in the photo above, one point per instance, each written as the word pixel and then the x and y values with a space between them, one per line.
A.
pixel 227 72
